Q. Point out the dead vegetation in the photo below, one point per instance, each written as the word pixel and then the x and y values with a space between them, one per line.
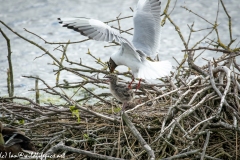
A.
pixel 192 114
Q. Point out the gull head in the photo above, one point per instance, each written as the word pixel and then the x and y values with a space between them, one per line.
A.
pixel 111 65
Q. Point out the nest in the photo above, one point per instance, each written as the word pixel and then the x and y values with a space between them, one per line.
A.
pixel 192 114
pixel 193 117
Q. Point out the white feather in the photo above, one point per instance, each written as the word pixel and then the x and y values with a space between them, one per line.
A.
pixel 146 40
pixel 153 70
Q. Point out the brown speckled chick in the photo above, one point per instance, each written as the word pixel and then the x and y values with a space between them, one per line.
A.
pixel 120 91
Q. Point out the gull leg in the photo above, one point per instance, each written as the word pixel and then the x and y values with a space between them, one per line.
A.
pixel 129 86
pixel 138 86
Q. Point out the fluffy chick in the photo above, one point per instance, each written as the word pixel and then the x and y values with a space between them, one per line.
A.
pixel 120 91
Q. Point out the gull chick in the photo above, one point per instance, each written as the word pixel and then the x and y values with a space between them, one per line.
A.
pixel 133 54
pixel 120 91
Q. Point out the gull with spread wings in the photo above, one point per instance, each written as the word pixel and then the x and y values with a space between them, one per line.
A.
pixel 145 42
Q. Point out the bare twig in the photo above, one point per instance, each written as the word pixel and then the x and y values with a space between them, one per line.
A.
pixel 136 133
pixel 10 71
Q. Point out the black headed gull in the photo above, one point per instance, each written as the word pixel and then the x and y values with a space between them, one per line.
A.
pixel 120 91
pixel 145 42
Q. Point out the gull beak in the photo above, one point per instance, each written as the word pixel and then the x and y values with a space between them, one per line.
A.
pixel 112 68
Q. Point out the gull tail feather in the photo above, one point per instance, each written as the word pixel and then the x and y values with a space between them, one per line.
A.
pixel 153 70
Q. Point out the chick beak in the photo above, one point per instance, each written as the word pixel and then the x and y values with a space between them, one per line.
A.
pixel 106 76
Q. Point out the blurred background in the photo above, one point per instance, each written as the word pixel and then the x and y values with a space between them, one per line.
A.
pixel 40 17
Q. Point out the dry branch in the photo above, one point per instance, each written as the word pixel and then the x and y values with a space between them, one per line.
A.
pixel 193 113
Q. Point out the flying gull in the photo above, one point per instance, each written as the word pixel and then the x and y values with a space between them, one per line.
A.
pixel 145 42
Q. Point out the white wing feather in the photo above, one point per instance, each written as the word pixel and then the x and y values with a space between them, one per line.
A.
pixel 93 29
pixel 146 19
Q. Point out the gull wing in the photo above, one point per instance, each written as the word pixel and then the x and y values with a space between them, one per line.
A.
pixel 146 37
pixel 97 30
pixel 93 29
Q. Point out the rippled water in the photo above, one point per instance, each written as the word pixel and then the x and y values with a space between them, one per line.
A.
pixel 40 17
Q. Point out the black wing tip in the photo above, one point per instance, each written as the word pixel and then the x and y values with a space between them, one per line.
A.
pixel 66 25
pixel 75 29
pixel 71 27
pixel 60 21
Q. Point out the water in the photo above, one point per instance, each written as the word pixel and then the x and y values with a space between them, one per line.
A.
pixel 40 17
